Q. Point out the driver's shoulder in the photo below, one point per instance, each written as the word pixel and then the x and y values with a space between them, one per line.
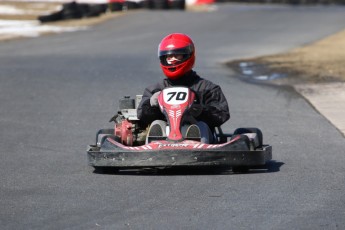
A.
pixel 206 84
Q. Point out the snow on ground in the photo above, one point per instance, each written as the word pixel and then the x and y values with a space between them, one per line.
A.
pixel 27 28
pixel 61 1
pixel 30 28
pixel 11 10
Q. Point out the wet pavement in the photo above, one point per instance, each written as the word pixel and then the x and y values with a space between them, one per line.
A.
pixel 258 73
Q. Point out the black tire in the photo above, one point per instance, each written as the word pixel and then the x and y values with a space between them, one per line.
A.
pixel 294 2
pixel 178 4
pixel 147 4
pixel 51 18
pixel 71 11
pixel 115 6
pixel 94 10
pixel 160 4
pixel 221 137
pixel 240 169
pixel 129 5
pixel 83 9
pixel 250 130
pixel 105 170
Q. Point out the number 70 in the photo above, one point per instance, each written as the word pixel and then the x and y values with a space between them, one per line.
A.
pixel 179 96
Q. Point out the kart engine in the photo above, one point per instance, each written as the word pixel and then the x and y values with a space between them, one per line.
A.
pixel 127 125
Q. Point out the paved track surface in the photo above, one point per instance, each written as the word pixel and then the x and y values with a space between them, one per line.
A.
pixel 56 91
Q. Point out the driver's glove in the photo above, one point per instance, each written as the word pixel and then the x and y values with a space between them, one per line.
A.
pixel 154 99
pixel 195 110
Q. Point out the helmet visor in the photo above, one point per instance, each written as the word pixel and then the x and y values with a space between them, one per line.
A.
pixel 185 52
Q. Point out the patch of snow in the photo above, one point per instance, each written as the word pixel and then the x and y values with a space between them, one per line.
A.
pixel 11 10
pixel 31 28
pixel 63 1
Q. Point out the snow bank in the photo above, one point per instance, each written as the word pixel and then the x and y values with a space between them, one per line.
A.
pixel 31 28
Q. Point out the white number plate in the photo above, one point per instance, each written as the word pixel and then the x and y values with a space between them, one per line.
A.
pixel 175 95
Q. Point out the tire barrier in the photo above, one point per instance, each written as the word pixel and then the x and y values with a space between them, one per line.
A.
pixel 115 6
pixel 167 4
pixel 57 16
pixel 74 10
pixel 160 4
pixel 129 5
pixel 178 5
pixel 147 4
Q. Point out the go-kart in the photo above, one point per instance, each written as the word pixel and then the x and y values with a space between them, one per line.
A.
pixel 127 146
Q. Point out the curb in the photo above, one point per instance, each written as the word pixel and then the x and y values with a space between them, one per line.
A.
pixel 328 99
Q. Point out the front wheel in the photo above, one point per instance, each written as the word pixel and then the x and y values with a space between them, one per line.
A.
pixel 106 170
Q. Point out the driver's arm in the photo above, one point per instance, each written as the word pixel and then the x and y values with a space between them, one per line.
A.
pixel 146 113
pixel 215 110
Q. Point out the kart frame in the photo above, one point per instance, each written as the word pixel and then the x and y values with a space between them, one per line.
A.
pixel 193 153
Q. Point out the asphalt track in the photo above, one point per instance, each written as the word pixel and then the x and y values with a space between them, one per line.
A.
pixel 56 91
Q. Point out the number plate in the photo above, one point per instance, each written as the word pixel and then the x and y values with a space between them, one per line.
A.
pixel 175 95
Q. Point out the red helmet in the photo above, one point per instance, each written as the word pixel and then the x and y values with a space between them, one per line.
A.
pixel 176 44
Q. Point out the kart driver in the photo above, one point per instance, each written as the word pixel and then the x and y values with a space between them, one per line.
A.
pixel 177 56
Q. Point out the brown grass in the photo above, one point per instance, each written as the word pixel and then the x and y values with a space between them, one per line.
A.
pixel 322 61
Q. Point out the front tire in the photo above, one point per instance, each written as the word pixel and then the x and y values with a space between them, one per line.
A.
pixel 106 170
pixel 240 169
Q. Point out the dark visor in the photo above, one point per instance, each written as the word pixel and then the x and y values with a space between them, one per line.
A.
pixel 185 51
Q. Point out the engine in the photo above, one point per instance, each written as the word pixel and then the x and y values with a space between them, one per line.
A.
pixel 127 125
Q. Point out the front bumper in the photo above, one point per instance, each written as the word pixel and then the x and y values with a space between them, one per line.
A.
pixel 124 158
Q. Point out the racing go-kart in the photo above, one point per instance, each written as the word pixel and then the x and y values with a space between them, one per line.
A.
pixel 126 145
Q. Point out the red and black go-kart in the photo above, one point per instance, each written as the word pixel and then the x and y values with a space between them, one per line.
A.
pixel 126 146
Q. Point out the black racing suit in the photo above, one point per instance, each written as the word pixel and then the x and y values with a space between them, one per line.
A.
pixel 215 110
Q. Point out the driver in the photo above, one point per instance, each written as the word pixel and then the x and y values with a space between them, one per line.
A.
pixel 177 56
